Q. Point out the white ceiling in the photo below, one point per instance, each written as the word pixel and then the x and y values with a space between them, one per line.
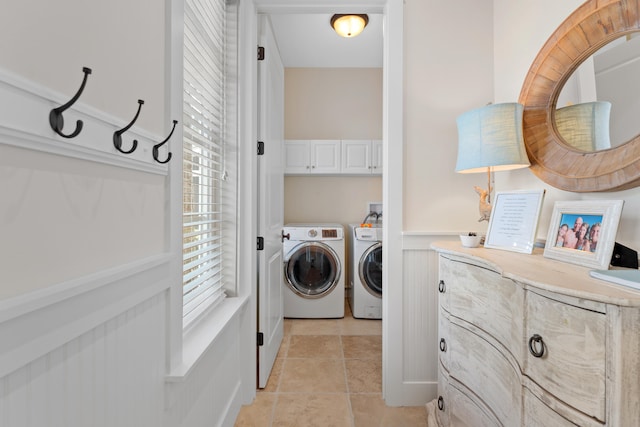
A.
pixel 308 41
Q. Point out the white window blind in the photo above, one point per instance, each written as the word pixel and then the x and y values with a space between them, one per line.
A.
pixel 204 155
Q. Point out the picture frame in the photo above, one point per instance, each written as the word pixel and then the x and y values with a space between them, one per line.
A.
pixel 592 245
pixel 514 220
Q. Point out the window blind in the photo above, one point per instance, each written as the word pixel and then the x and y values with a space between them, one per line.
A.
pixel 203 155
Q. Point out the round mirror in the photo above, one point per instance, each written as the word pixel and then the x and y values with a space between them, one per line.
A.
pixel 593 25
pixel 599 103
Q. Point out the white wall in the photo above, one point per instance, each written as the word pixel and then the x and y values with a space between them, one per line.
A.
pixel 521 29
pixel 448 70
pixel 452 65
pixel 332 103
pixel 121 41
pixel 88 332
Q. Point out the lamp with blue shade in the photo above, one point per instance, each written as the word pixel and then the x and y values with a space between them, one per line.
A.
pixel 490 139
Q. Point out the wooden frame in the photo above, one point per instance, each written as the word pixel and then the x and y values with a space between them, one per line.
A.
pixel 568 240
pixel 591 26
pixel 514 220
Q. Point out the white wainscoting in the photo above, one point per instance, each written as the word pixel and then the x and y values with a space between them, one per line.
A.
pixel 420 315
pixel 91 352
pixel 210 394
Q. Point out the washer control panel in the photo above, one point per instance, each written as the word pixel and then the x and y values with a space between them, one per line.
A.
pixel 314 233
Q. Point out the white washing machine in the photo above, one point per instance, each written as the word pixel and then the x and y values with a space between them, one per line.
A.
pixel 365 268
pixel 314 256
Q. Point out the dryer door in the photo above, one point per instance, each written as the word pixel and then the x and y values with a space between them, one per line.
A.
pixel 312 269
pixel 370 269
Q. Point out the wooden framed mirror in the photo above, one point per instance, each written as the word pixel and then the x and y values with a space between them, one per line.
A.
pixel 592 26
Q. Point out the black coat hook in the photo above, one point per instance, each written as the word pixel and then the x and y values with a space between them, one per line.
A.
pixel 157 146
pixel 117 135
pixel 55 116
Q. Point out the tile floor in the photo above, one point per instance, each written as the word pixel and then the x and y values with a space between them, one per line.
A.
pixel 328 372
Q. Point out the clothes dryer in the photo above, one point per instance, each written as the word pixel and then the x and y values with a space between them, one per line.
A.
pixel 314 258
pixel 365 271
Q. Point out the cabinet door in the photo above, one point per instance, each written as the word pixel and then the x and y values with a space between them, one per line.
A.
pixel 571 354
pixel 325 156
pixel 356 156
pixel 296 157
pixel 376 156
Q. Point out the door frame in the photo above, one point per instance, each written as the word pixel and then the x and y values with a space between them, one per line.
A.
pixel 394 391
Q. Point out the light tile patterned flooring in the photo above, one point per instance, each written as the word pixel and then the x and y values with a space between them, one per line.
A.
pixel 328 372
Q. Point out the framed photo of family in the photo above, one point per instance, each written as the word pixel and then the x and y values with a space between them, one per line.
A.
pixel 583 232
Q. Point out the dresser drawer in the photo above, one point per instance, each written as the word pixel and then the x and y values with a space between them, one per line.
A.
pixel 456 409
pixel 480 367
pixel 447 275
pixel 566 352
pixel 537 414
pixel 487 300
pixel 443 339
pixel 443 409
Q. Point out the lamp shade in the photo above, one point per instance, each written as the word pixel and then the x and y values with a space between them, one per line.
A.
pixel 349 25
pixel 585 126
pixel 491 137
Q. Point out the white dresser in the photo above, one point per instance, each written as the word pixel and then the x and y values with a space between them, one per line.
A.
pixel 528 341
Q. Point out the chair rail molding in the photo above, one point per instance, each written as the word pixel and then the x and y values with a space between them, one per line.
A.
pixel 24 123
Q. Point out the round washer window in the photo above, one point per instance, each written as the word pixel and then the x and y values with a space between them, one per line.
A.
pixel 370 269
pixel 312 269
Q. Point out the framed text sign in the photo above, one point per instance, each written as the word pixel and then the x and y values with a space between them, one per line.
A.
pixel 514 220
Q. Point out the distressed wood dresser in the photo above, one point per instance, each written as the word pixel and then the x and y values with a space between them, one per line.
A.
pixel 529 341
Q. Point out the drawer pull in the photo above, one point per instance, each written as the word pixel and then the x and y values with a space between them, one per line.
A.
pixel 443 345
pixel 440 403
pixel 536 339
pixel 441 287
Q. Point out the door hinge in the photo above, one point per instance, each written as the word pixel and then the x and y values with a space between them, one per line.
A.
pixel 260 339
pixel 260 148
pixel 260 243
pixel 260 53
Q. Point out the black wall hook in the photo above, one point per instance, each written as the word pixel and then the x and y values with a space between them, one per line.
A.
pixel 55 116
pixel 117 135
pixel 157 146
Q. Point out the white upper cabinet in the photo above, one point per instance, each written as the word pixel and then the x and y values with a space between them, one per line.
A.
pixel 376 156
pixel 312 157
pixel 362 157
pixel 347 157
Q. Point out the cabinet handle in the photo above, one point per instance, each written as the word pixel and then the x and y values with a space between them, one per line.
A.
pixel 536 339
pixel 443 345
pixel 440 403
pixel 441 287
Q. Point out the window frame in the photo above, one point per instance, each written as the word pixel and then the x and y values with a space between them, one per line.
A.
pixel 211 121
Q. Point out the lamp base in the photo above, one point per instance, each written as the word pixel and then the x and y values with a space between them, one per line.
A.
pixel 485 206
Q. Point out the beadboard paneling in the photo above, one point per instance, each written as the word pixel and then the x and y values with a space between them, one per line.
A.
pixel 419 312
pixel 111 375
pixel 420 316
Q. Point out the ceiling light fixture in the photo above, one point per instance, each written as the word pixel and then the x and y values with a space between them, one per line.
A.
pixel 349 25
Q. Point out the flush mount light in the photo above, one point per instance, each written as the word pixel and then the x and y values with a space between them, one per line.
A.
pixel 349 25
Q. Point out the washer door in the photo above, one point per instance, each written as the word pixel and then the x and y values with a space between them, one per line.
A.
pixel 312 269
pixel 370 269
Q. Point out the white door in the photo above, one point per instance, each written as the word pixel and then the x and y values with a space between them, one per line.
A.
pixel 270 201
